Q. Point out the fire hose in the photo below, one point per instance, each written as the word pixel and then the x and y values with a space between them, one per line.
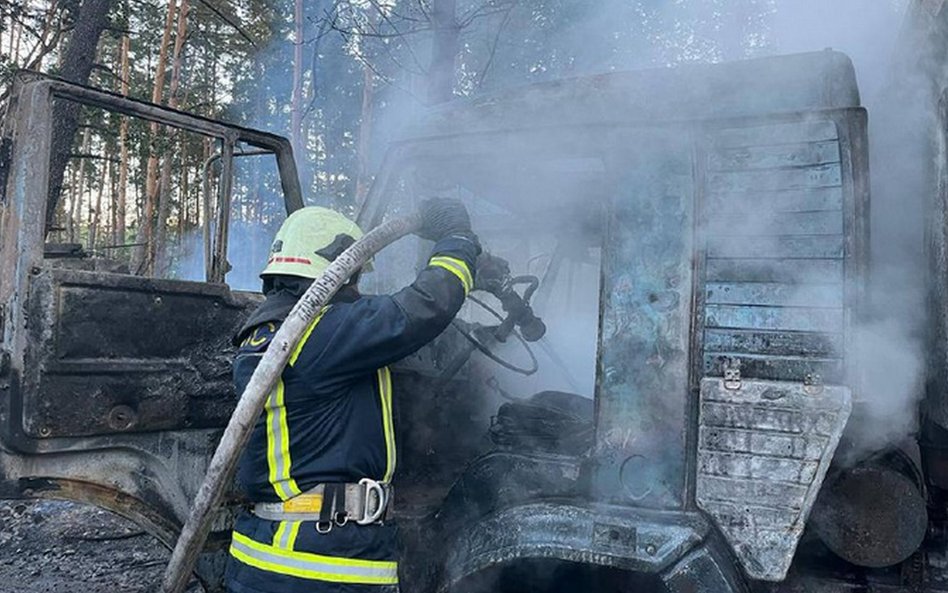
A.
pixel 220 472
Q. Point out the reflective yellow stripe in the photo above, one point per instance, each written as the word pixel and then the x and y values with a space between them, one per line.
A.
pixel 278 431
pixel 456 267
pixel 306 334
pixel 278 446
pixel 285 536
pixel 388 425
pixel 255 340
pixel 317 567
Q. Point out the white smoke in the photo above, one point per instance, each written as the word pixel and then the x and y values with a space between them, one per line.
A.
pixel 613 35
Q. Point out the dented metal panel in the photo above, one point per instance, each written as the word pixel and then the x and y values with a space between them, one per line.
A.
pixel 763 452
pixel 645 331
pixel 801 154
pixel 704 570
pixel 89 375
pixel 610 537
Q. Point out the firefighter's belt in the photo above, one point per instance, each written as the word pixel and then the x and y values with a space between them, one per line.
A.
pixel 327 504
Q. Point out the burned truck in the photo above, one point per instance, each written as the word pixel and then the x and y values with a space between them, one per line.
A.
pixel 654 399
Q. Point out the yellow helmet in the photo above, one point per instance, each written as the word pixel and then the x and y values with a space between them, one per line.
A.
pixel 308 241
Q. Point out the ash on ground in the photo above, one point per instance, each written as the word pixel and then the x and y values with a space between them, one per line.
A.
pixel 63 547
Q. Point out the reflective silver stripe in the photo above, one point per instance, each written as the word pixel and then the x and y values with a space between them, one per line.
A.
pixel 278 446
pixel 312 566
pixel 285 536
pixel 307 506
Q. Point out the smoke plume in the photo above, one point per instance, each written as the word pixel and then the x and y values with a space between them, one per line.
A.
pixel 614 35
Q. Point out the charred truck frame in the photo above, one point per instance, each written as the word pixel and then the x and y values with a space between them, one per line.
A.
pixel 727 230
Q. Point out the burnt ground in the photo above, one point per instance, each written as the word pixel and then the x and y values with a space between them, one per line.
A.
pixel 61 547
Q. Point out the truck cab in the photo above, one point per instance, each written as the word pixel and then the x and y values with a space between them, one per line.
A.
pixel 651 399
pixel 710 223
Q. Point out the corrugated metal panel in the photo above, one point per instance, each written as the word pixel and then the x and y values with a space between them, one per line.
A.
pixel 763 452
pixel 783 133
pixel 773 232
pixel 806 200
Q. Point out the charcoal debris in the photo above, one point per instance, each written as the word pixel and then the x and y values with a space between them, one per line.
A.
pixel 63 547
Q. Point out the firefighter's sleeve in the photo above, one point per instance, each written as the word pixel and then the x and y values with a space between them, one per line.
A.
pixel 380 330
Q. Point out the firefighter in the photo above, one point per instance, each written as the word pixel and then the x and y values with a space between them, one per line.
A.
pixel 320 462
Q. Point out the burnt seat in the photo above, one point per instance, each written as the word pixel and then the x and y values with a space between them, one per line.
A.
pixel 549 421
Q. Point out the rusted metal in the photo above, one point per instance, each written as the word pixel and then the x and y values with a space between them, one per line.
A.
pixel 213 245
pixel 206 222
pixel 50 87
pixel 219 264
pixel 873 515
pixel 922 85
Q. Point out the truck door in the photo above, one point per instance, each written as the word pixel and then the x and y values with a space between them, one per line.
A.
pixel 725 378
pixel 115 385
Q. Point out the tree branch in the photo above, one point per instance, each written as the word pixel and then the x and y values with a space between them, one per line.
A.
pixel 493 48
pixel 230 21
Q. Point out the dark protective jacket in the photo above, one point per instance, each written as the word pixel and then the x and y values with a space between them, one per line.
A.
pixel 330 419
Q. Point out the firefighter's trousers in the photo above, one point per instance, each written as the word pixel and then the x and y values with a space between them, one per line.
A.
pixel 293 557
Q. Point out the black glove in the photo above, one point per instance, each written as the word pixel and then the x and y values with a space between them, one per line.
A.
pixel 443 217
pixel 492 273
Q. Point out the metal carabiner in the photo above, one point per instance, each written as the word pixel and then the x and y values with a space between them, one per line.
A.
pixel 323 530
pixel 370 487
pixel 344 518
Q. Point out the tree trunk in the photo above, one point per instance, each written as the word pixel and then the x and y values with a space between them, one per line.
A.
pixel 164 193
pixel 365 135
pixel 145 264
pixel 734 30
pixel 164 208
pixel 183 200
pixel 110 236
pixel 59 222
pixel 95 212
pixel 16 32
pixel 11 28
pixel 76 191
pixel 78 59
pixel 121 195
pixel 306 163
pixel 444 50
pixel 296 101
pixel 205 217
pixel 69 216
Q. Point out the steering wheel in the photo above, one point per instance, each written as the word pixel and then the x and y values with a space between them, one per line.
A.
pixel 497 334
